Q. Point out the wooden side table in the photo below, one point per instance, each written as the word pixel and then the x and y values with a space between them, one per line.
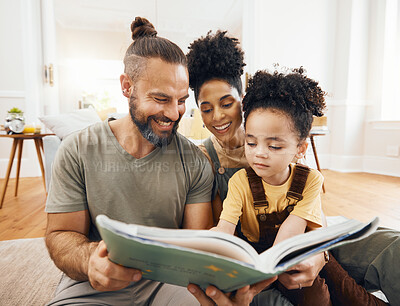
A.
pixel 312 135
pixel 18 141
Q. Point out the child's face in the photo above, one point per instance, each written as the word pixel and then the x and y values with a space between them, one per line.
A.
pixel 271 144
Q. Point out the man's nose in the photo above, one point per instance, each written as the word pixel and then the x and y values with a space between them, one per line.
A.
pixel 173 111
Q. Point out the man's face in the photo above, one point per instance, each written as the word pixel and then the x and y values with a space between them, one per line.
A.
pixel 158 100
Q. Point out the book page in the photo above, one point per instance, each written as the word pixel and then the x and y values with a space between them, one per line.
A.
pixel 203 240
pixel 304 245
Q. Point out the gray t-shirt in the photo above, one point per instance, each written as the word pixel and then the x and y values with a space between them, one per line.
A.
pixel 92 171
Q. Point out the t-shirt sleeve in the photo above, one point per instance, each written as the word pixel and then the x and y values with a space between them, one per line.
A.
pixel 232 206
pixel 67 189
pixel 309 208
pixel 202 178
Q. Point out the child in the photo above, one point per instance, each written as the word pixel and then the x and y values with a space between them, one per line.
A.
pixel 274 199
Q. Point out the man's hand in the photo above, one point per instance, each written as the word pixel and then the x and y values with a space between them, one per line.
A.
pixel 243 296
pixel 304 273
pixel 105 275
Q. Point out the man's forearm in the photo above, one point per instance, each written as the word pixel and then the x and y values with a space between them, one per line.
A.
pixel 70 252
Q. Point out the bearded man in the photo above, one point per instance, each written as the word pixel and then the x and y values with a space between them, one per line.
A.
pixel 136 169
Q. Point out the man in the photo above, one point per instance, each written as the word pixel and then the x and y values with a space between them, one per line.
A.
pixel 137 170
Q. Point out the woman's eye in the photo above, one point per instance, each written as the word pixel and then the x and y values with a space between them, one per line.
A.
pixel 251 144
pixel 206 110
pixel 227 105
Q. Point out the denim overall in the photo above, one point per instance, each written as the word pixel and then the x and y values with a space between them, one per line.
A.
pixel 222 175
pixel 269 224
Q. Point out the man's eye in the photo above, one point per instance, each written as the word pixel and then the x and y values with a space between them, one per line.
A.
pixel 182 101
pixel 160 100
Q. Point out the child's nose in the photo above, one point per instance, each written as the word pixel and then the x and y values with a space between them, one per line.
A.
pixel 261 152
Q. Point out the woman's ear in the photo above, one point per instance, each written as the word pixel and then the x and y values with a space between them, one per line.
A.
pixel 126 85
pixel 302 149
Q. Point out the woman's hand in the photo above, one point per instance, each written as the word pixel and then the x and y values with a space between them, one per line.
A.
pixel 243 296
pixel 304 273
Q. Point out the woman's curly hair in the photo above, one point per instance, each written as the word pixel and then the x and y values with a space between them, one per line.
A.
pixel 215 56
pixel 293 93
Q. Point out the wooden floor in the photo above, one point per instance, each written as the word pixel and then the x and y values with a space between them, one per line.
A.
pixel 354 195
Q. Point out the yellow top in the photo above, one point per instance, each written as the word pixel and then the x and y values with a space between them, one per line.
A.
pixel 239 202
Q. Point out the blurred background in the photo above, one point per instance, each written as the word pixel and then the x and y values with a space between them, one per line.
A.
pixel 57 56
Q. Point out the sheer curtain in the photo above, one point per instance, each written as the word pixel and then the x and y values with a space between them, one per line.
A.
pixel 390 106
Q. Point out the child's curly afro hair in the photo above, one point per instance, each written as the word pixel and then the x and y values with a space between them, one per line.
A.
pixel 293 93
pixel 215 56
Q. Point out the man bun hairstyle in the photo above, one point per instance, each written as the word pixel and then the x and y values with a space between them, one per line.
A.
pixel 292 93
pixel 141 27
pixel 146 44
pixel 215 56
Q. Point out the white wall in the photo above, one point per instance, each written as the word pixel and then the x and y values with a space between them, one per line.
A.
pixel 83 58
pixel 340 45
pixel 19 74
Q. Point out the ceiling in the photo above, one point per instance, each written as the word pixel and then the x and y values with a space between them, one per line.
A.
pixel 178 20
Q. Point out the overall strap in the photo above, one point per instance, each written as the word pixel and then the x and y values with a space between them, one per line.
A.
pixel 295 193
pixel 213 154
pixel 221 174
pixel 269 223
pixel 257 189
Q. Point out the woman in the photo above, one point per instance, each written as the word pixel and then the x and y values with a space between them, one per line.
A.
pixel 214 76
pixel 215 64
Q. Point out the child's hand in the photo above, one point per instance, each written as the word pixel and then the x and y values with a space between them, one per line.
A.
pixel 225 227
pixel 304 273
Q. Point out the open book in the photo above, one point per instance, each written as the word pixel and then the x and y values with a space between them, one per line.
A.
pixel 205 258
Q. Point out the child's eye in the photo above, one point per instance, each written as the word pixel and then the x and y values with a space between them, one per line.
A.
pixel 275 148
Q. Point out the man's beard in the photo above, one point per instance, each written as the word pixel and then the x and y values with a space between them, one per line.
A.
pixel 146 129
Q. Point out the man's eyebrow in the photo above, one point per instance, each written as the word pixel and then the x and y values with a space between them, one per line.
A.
pixel 160 94
pixel 164 95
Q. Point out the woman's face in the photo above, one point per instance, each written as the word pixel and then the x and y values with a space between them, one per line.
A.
pixel 220 107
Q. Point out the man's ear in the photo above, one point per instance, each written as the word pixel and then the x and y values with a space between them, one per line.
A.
pixel 302 149
pixel 126 85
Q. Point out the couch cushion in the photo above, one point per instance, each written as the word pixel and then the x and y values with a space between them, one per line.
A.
pixel 64 124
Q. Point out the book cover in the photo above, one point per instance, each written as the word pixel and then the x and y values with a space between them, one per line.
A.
pixel 206 258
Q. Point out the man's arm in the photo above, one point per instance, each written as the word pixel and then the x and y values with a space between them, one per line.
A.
pixel 67 243
pixel 198 216
pixel 81 259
